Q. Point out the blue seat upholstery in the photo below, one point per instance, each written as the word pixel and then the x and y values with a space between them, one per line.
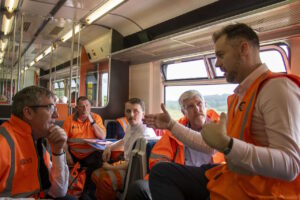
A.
pixel 111 128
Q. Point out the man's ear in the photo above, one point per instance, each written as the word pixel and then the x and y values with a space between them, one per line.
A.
pixel 28 113
pixel 244 47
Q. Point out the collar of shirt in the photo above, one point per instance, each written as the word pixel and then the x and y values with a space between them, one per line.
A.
pixel 241 89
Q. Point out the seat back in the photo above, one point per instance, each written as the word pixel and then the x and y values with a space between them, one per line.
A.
pixel 138 165
pixel 111 129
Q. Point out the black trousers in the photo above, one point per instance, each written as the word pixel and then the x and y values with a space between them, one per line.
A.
pixel 172 181
pixel 139 190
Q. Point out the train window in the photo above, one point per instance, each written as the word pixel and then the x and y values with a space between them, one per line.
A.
pixel 61 84
pixel 273 59
pixel 73 84
pixel 186 70
pixel 271 56
pixel 215 96
pixel 215 89
pixel 104 80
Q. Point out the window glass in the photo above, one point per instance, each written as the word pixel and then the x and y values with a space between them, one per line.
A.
pixel 214 95
pixel 273 60
pixel 286 49
pixel 186 70
pixel 218 72
pixel 104 93
pixel 73 84
pixel 61 84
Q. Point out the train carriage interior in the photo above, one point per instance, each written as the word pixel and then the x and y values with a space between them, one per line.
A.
pixel 113 50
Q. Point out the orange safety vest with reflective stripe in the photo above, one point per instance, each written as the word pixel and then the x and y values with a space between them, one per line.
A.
pixel 108 182
pixel 124 123
pixel 77 130
pixel 19 164
pixel 169 149
pixel 225 184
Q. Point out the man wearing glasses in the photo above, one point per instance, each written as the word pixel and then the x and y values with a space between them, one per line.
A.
pixel 81 125
pixel 28 140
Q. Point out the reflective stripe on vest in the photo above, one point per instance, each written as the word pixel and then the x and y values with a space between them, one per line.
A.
pixel 76 140
pixel 8 188
pixel 176 154
pixel 79 147
pixel 159 156
pixel 90 150
pixel 7 192
pixel 114 179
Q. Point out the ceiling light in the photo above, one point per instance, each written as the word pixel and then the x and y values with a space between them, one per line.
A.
pixel 68 35
pixel 39 58
pixel 7 21
pixel 1 54
pixel 3 44
pixel 11 5
pixel 102 10
pixel 31 64
pixel 48 50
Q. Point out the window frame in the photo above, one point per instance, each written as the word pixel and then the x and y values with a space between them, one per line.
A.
pixel 212 79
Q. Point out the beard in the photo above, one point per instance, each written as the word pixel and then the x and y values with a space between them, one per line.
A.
pixel 231 77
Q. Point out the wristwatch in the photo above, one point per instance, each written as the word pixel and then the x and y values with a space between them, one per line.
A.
pixel 93 123
pixel 229 147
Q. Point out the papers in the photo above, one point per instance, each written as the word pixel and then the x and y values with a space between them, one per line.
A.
pixel 99 144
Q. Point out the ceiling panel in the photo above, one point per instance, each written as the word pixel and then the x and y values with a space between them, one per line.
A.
pixel 271 23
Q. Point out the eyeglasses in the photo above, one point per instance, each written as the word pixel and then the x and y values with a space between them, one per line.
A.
pixel 51 107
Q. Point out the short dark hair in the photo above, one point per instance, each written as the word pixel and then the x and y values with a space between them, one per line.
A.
pixel 28 96
pixel 137 101
pixel 239 30
pixel 82 98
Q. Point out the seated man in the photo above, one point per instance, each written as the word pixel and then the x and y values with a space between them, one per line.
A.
pixel 29 166
pixel 110 177
pixel 260 136
pixel 84 124
pixel 169 149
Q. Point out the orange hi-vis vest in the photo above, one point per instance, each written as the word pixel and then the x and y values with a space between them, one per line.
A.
pixel 19 164
pixel 124 123
pixel 225 184
pixel 169 149
pixel 77 130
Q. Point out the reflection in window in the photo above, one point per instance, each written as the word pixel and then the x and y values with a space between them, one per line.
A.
pixel 186 70
pixel 214 95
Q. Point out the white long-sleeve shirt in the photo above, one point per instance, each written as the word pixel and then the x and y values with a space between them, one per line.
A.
pixel 275 124
pixel 59 176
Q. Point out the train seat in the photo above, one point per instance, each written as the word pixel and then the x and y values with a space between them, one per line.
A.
pixel 138 165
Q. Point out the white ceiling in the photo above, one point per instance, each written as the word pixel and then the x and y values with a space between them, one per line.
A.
pixel 141 12
pixel 129 18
